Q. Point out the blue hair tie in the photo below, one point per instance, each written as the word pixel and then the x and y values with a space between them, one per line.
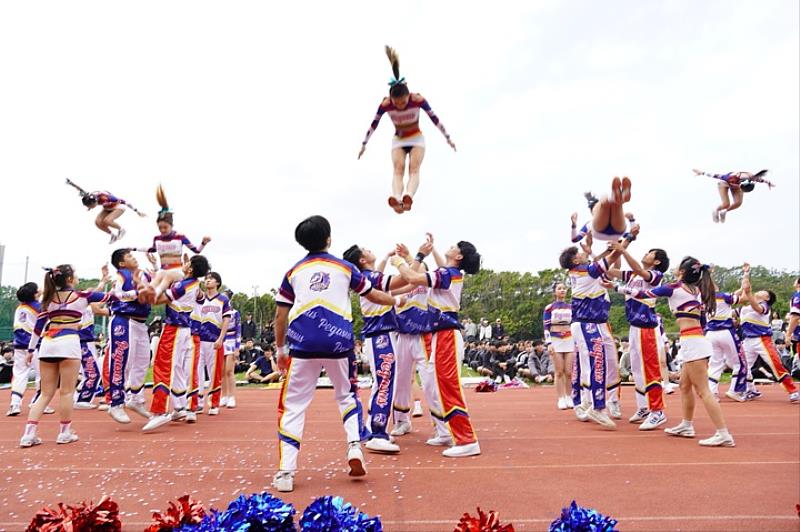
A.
pixel 394 81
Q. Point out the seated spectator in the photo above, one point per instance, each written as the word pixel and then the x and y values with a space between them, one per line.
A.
pixel 6 364
pixel 247 355
pixel 540 365
pixel 264 369
pixel 503 364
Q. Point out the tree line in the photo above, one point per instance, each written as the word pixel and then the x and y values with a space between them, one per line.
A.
pixel 517 298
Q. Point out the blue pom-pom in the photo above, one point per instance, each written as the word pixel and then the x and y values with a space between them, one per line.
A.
pixel 256 513
pixel 579 519
pixel 327 514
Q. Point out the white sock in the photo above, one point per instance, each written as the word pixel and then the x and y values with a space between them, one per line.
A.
pixel 724 433
pixel 686 423
pixel 31 427
pixel 64 426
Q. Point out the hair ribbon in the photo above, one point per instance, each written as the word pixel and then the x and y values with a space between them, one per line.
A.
pixel 395 81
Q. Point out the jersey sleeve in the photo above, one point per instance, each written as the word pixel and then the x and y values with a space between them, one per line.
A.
pixel 658 291
pixel 188 244
pixel 104 297
pixel 597 268
pixel 227 310
pixel 546 322
pixel 176 291
pixel 578 234
pixel 285 294
pixel 656 277
pixel 358 282
pixel 794 304
pixel 374 125
pixel 425 106
pixel 38 328
pixel 440 279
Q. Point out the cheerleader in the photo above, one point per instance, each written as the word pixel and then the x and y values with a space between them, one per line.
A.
pixel 689 297
pixel 231 345
pixel 557 320
pixel 609 220
pixel 792 329
pixel 734 184
pixel 446 399
pixel 111 209
pixel 408 143
pixel 60 352
pixel 24 321
pixel 758 335
pixel 169 244
pixel 727 348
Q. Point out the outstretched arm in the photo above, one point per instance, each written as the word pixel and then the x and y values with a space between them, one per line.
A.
pixel 372 127
pixel 425 106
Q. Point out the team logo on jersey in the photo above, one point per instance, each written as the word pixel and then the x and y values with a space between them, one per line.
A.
pixel 382 341
pixel 590 328
pixel 379 420
pixel 119 330
pixel 23 318
pixel 320 281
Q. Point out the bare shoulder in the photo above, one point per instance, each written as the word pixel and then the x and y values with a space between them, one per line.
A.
pixel 417 97
pixel 386 102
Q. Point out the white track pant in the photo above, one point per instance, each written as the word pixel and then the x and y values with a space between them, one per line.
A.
pixel 138 362
pixel 296 395
pixel 410 356
pixel 21 373
pixel 725 353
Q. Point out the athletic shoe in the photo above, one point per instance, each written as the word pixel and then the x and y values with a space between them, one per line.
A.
pixel 113 238
pixel 560 404
pixel 655 419
pixel 139 408
pixel 681 430
pixel 715 216
pixel 355 460
pixel 794 397
pixel 84 405
pixel 614 410
pixel 626 191
pixel 231 402
pixel 580 413
pixel 639 416
pixel 283 481
pixel 722 216
pixel 440 441
pixel 213 411
pixel 102 407
pixel 751 395
pixel 736 396
pixel 669 388
pixel 404 427
pixel 191 417
pixel 118 414
pixel 121 233
pixel 66 437
pixel 51 410
pixel 379 445
pixel 591 199
pixel 568 402
pixel 408 201
pixel 14 410
pixel 223 401
pixel 30 441
pixel 602 419
pixel 157 421
pixel 459 451
pixel 417 412
pixel 718 440
pixel 179 415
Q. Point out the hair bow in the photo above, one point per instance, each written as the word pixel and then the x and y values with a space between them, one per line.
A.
pixel 394 81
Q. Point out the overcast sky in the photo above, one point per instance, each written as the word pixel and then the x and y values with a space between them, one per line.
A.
pixel 251 114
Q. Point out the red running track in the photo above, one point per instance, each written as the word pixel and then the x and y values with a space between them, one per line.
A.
pixel 535 460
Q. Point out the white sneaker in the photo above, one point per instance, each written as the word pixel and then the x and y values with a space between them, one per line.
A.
pixel 30 441
pixel 655 419
pixel 639 416
pixel 794 397
pixel 602 419
pixel 722 216
pixel 581 413
pixel 178 415
pixel 404 427
pixel 738 397
pixel 283 481
pixel 223 401
pixel 139 408
pixel 121 233
pixel 440 441
pixel 213 411
pixel 718 440
pixel 560 404
pixel 681 430
pixel 83 405
pixel 715 216
pixel 459 451
pixel 49 410
pixel 379 445
pixel 102 407
pixel 417 412
pixel 355 460
pixel 614 410
pixel 568 402
pixel 118 414
pixel 669 388
pixel 66 437
pixel 191 417
pixel 14 410
pixel 231 402
pixel 156 422
pixel 113 238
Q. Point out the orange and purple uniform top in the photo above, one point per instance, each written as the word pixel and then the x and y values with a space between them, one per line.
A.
pixel 406 120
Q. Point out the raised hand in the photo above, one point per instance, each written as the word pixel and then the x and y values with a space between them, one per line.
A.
pixel 206 240
pixel 452 144
pixel 574 218
pixel 362 150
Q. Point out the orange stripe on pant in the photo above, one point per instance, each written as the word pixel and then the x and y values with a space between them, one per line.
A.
pixel 648 342
pixel 216 379
pixel 446 356
pixel 773 360
pixel 162 369
pixel 196 368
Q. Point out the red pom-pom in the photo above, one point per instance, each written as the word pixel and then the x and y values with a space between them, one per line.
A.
pixel 81 517
pixel 483 523
pixel 186 511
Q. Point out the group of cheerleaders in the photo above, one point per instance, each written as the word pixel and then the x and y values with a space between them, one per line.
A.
pixel 706 317
pixel 578 327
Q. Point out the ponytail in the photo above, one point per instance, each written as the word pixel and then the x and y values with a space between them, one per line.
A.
pixel 397 85
pixel 695 273
pixel 55 279
pixel 164 215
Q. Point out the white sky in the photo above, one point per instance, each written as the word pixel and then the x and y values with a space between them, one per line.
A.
pixel 251 114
